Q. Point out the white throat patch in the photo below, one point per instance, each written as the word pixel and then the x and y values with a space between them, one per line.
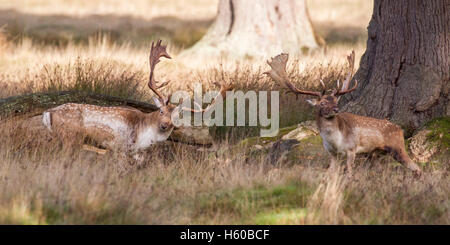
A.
pixel 150 136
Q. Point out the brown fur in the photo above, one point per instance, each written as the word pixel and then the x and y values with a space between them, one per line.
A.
pixel 344 132
pixel 69 118
pixel 119 127
pixel 351 134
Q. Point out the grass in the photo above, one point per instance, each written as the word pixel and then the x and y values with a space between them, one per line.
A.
pixel 101 47
pixel 91 76
pixel 251 206
pixel 281 217
pixel 440 128
pixel 179 185
pixel 46 23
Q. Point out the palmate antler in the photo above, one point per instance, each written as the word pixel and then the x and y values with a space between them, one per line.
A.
pixel 224 87
pixel 344 89
pixel 279 75
pixel 157 52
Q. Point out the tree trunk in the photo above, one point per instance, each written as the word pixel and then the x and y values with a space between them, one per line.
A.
pixel 258 29
pixel 405 72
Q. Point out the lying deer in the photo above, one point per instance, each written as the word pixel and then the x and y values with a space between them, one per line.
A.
pixel 123 127
pixel 345 132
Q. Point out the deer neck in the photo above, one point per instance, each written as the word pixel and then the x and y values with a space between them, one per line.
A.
pixel 148 131
pixel 326 124
pixel 336 132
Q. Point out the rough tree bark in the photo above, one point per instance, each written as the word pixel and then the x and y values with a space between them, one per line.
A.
pixel 258 29
pixel 405 72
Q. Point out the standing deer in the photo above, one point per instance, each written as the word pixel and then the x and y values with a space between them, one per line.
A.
pixel 345 132
pixel 122 127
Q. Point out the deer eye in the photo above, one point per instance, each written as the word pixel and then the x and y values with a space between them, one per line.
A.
pixel 160 112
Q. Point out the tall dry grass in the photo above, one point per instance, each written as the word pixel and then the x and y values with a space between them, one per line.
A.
pixel 178 184
pixel 327 200
pixel 50 180
pixel 47 180
pixel 3 41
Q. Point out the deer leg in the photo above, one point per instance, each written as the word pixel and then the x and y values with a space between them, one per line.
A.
pixel 401 156
pixel 333 161
pixel 350 159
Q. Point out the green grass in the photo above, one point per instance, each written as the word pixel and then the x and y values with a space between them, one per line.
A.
pixel 440 130
pixel 256 205
pixel 282 216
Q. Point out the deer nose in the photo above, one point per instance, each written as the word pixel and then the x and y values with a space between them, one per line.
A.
pixel 336 110
pixel 164 126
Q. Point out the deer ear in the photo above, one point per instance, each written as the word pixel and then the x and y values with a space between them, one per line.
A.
pixel 157 102
pixel 312 102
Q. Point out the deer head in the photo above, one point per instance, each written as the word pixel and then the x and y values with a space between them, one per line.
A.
pixel 162 102
pixel 164 117
pixel 327 104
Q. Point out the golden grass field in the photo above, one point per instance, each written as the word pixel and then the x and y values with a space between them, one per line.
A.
pixel 46 45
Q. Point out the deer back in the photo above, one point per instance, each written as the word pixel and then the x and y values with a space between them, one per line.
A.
pixel 365 134
pixel 118 124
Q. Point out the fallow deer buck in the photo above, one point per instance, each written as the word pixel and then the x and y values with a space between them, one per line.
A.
pixel 123 127
pixel 344 132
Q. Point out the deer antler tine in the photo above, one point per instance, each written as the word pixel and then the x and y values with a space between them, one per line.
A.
pixel 224 87
pixel 167 99
pixel 351 63
pixel 345 84
pixel 157 51
pixel 279 75
pixel 348 90
pixel 323 84
pixel 163 84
